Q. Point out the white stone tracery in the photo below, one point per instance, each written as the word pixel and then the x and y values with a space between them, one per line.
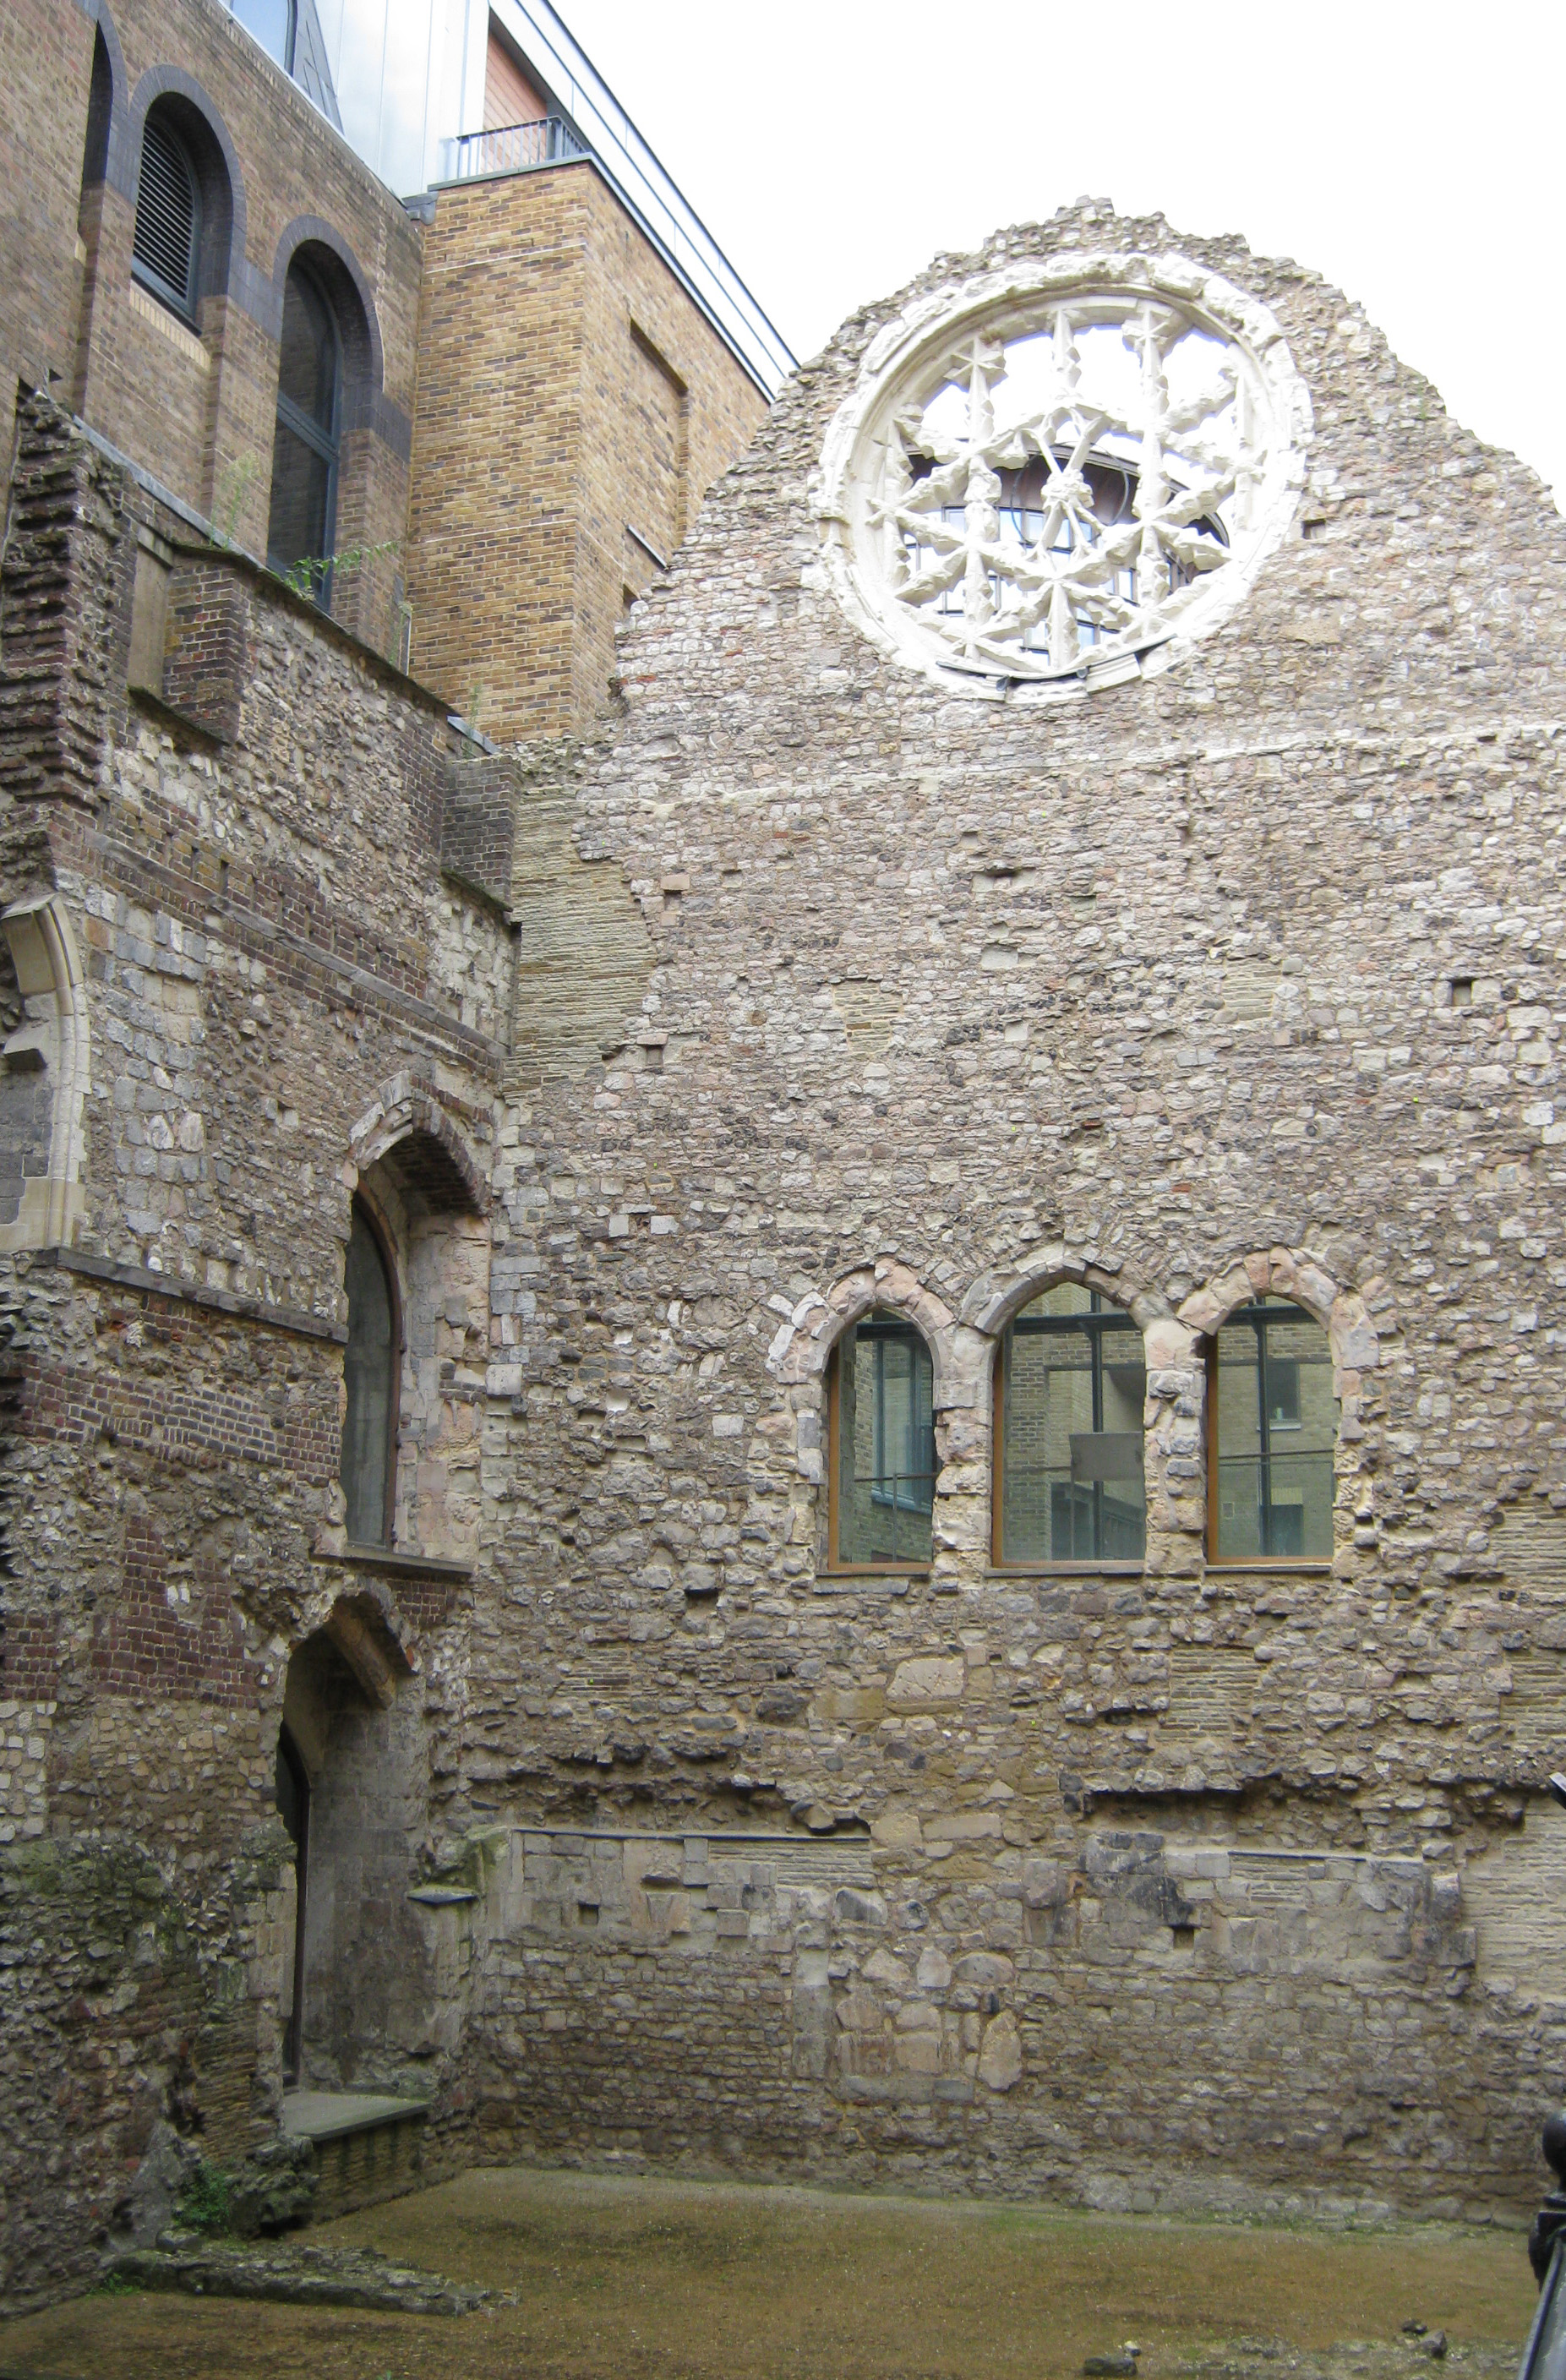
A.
pixel 1045 475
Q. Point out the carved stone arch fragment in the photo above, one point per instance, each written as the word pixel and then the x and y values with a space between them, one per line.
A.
pixel 47 1064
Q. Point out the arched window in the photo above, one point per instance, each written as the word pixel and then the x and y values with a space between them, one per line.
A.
pixel 1071 1383
pixel 882 1431
pixel 371 1372
pixel 1272 1428
pixel 302 526
pixel 270 22
pixel 165 253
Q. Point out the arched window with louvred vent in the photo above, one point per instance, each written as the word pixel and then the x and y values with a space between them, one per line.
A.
pixel 166 246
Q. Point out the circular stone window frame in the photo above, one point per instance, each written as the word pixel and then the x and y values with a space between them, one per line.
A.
pixel 1011 303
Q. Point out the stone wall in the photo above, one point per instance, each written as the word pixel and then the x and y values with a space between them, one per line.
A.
pixel 1239 980
pixel 1001 2021
pixel 280 991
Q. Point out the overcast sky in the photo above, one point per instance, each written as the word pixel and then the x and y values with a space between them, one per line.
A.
pixel 1411 153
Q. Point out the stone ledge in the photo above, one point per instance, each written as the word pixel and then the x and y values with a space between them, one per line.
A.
pixel 331 2114
pixel 396 1559
pixel 188 1293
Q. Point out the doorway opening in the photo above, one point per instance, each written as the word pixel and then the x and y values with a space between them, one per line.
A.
pixel 293 1808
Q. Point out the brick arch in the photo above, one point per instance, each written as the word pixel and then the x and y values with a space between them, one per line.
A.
pixel 223 268
pixel 367 367
pixel 123 163
pixel 408 1126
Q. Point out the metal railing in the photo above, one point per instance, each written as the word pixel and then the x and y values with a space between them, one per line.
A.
pixel 513 148
pixel 647 191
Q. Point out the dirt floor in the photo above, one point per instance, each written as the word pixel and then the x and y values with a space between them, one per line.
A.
pixel 608 2277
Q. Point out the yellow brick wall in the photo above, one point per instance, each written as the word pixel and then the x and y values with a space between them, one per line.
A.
pixel 569 387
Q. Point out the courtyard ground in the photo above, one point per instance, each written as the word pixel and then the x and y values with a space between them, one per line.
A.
pixel 613 2277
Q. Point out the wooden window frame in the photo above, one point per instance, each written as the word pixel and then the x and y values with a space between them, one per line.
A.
pixel 835 1567
pixel 998 1479
pixel 1262 1563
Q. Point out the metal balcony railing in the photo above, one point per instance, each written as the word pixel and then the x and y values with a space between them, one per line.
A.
pixel 513 148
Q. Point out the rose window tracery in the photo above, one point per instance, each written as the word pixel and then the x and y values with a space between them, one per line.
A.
pixel 1050 482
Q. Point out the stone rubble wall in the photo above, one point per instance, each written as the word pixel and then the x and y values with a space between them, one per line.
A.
pixel 280 990
pixel 1241 980
pixel 1272 2018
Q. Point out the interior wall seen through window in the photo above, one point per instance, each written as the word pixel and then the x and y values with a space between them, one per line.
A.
pixel 371 1362
pixel 883 1432
pixel 1272 1430
pixel 1072 1386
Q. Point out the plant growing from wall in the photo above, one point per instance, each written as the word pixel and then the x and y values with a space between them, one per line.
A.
pixel 206 2202
pixel 309 575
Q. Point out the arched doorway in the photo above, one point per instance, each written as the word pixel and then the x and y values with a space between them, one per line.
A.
pixel 352 1789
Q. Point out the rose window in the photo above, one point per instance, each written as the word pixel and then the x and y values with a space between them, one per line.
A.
pixel 1049 485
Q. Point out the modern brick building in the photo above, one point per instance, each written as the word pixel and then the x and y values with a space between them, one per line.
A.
pixel 778 1224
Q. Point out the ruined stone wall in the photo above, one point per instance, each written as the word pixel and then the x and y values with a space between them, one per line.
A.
pixel 279 990
pixel 1240 979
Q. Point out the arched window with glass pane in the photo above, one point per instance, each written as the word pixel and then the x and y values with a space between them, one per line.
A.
pixel 1071 1384
pixel 1272 1431
pixel 303 522
pixel 881 1446
pixel 371 1374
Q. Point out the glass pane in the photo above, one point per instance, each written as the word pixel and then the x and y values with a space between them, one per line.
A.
pixel 1276 1426
pixel 300 529
pixel 367 1371
pixel 271 24
pixel 307 363
pixel 886 1443
pixel 1074 1384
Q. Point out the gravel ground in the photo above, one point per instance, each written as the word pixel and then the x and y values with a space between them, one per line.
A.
pixel 610 2278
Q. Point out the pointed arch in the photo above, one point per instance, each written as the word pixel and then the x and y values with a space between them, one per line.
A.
pixel 47 1064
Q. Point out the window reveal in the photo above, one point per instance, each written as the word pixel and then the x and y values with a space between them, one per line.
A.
pixel 883 1469
pixel 1272 1430
pixel 1070 1387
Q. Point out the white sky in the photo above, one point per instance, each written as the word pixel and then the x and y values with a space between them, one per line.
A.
pixel 1410 150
